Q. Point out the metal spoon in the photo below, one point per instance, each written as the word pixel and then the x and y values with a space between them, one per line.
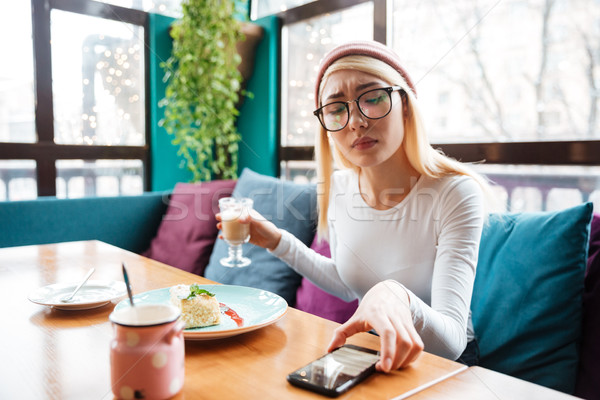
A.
pixel 68 298
pixel 127 285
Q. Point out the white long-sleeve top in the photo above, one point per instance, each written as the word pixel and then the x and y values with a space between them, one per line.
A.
pixel 428 243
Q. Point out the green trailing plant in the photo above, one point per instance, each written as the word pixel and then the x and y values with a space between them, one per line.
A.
pixel 203 88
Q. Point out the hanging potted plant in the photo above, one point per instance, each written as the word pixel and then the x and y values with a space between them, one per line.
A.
pixel 204 87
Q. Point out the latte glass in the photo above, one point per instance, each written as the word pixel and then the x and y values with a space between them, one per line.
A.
pixel 234 232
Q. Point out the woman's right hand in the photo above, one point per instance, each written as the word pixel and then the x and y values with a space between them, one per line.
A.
pixel 263 233
pixel 385 308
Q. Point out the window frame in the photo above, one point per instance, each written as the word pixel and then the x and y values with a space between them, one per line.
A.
pixel 45 152
pixel 574 152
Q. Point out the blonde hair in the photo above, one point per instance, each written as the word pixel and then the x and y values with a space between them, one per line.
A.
pixel 422 157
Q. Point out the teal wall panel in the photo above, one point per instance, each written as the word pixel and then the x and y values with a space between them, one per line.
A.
pixel 258 122
pixel 167 166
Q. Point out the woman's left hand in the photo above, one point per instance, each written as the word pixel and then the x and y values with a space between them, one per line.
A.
pixel 385 308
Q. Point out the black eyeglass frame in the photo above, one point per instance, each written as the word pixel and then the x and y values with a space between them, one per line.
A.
pixel 319 111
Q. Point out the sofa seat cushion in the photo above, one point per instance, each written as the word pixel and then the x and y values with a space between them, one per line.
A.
pixel 187 233
pixel 312 299
pixel 588 384
pixel 289 206
pixel 527 298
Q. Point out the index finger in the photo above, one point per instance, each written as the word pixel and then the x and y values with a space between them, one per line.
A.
pixel 344 331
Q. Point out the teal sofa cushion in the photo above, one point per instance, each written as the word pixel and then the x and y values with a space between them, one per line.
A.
pixel 527 297
pixel 289 206
pixel 128 222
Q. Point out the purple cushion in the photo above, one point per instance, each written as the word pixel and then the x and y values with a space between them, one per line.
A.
pixel 588 384
pixel 188 231
pixel 312 299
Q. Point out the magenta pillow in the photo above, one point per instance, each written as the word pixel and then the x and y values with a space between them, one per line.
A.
pixel 588 384
pixel 188 231
pixel 312 299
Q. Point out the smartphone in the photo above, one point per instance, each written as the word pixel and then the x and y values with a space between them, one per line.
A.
pixel 336 372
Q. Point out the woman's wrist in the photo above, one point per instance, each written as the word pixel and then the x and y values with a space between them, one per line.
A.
pixel 275 242
pixel 399 291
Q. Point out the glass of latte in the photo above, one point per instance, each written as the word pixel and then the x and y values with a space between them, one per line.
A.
pixel 234 232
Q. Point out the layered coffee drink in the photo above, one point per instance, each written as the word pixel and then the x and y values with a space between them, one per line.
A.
pixel 235 232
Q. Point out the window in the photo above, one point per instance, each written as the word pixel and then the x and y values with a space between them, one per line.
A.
pixel 17 102
pixel 88 134
pixel 536 72
pixel 308 32
pixel 171 8
pixel 514 84
pixel 18 180
pixel 261 8
pixel 304 44
pixel 97 80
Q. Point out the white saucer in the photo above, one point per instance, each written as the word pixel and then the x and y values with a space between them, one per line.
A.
pixel 92 295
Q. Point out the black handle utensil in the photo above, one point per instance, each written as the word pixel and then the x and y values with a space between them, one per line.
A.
pixel 127 284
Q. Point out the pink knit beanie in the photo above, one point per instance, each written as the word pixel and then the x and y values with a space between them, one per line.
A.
pixel 362 48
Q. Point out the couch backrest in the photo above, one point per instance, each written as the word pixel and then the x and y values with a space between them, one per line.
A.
pixel 128 222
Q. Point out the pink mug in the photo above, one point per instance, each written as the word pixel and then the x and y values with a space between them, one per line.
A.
pixel 147 352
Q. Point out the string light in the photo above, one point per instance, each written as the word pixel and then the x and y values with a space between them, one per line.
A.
pixel 115 63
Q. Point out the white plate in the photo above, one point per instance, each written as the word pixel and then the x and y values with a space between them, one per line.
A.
pixel 93 294
pixel 257 308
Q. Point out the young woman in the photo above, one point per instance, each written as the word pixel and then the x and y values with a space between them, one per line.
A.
pixel 403 221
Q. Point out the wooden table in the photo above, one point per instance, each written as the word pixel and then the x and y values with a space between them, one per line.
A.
pixel 54 354
pixel 478 383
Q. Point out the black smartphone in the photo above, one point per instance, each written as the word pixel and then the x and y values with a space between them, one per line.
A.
pixel 336 372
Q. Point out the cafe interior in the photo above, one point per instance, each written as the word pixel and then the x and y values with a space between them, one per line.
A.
pixel 125 123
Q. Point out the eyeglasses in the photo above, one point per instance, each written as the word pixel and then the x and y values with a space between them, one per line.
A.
pixel 374 104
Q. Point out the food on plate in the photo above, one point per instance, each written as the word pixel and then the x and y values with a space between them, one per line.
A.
pixel 198 307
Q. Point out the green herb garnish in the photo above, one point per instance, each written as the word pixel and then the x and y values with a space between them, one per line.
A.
pixel 195 290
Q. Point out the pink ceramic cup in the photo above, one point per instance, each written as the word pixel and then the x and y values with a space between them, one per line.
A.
pixel 147 352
